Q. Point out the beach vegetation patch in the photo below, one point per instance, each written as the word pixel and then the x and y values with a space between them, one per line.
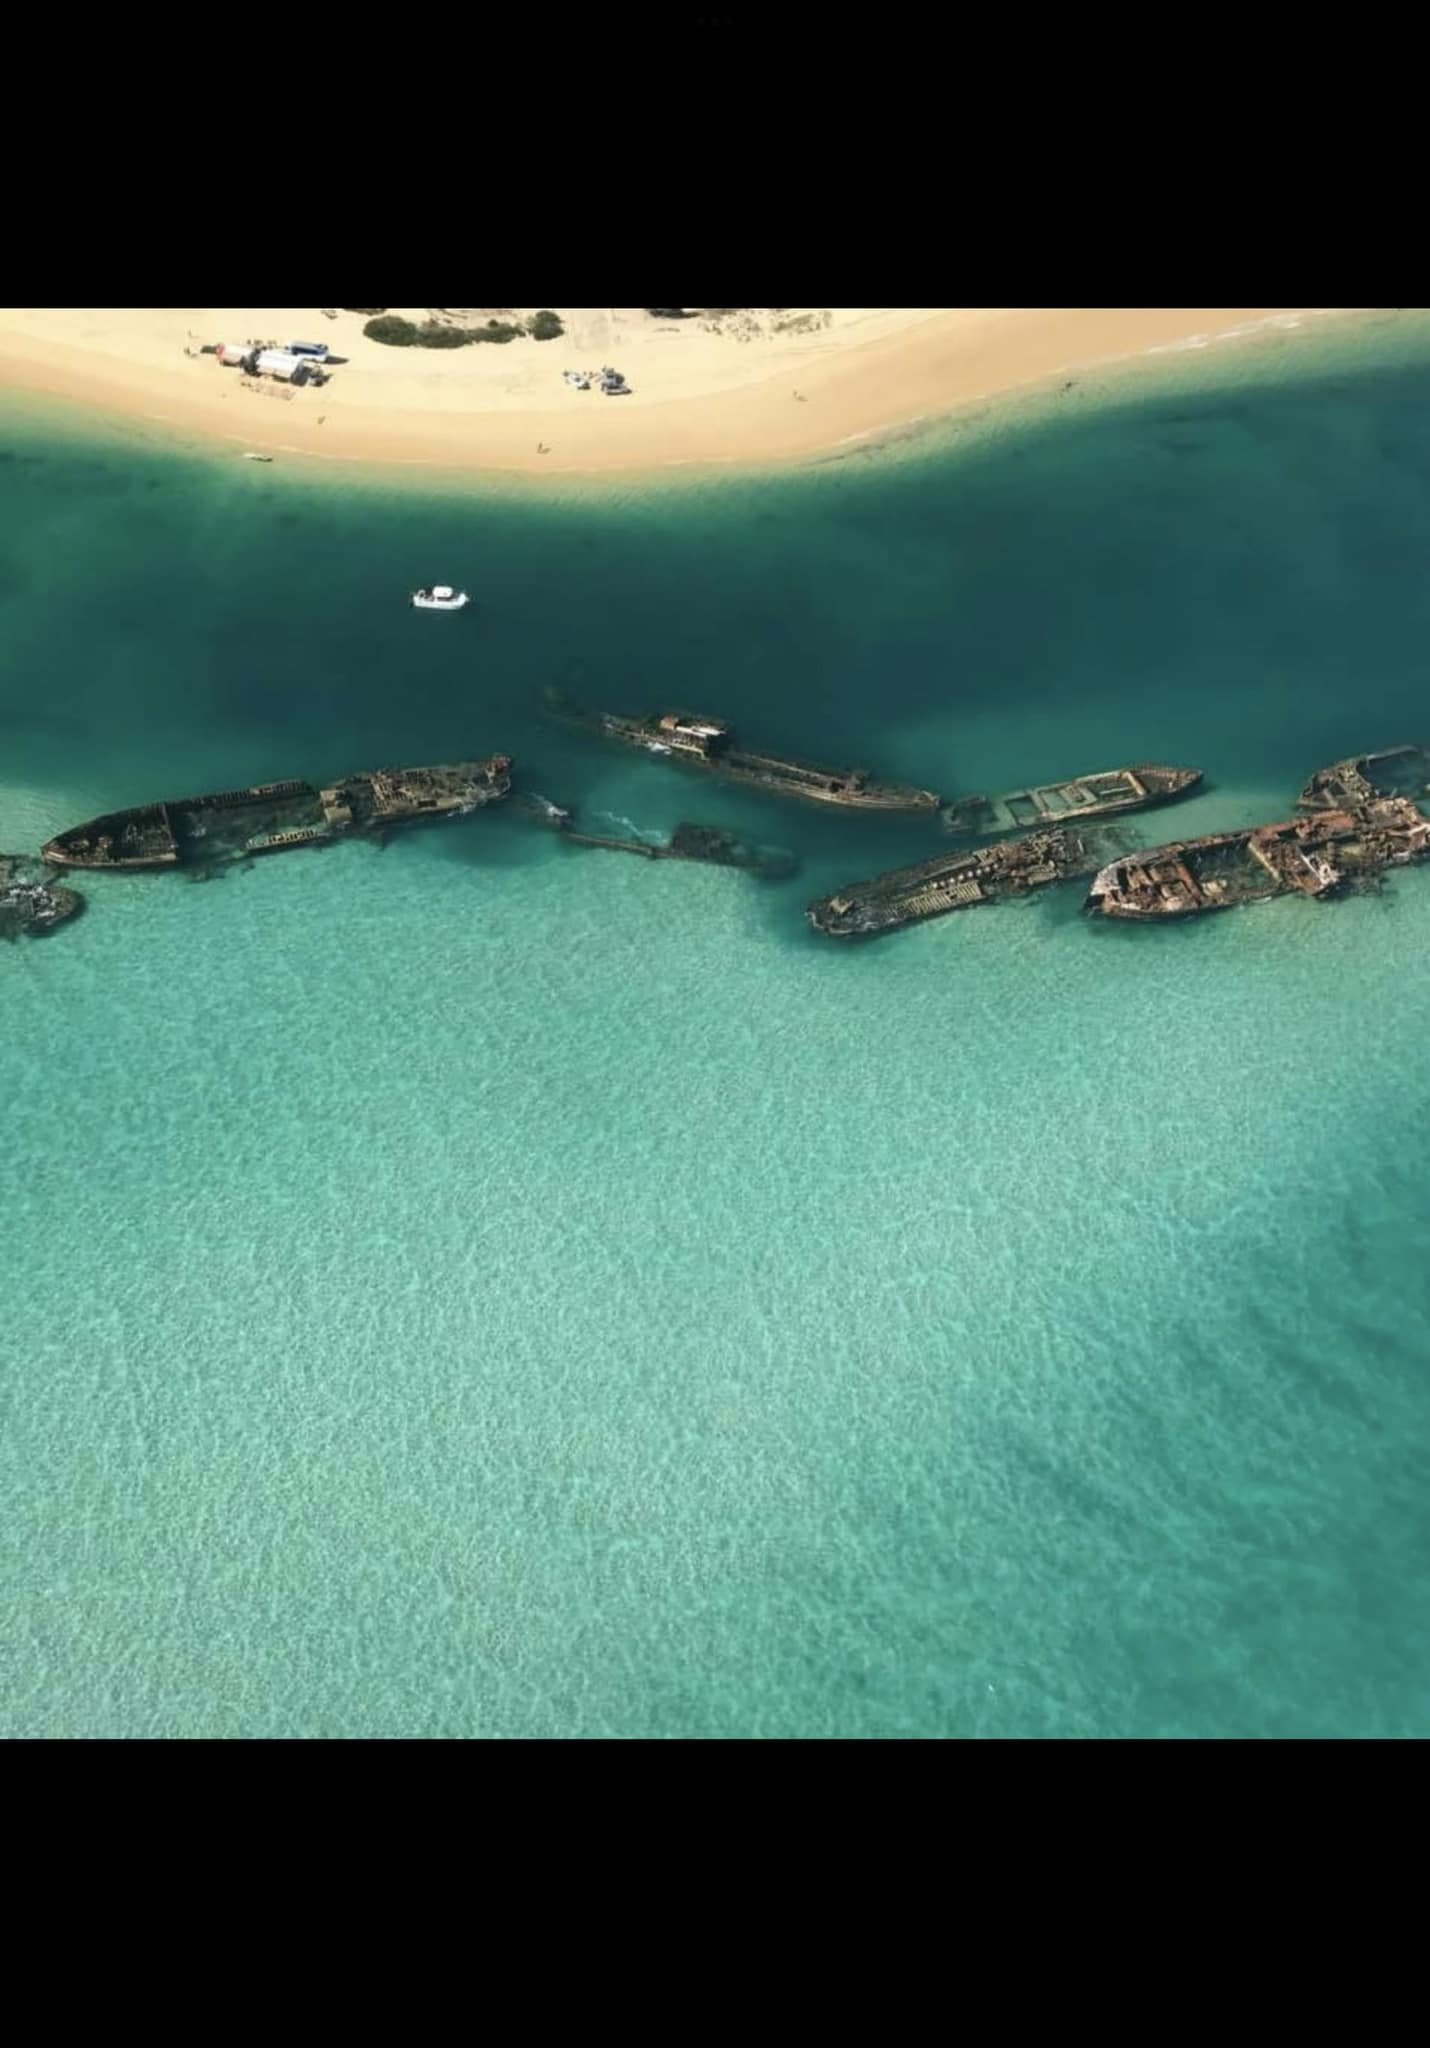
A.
pixel 544 326
pixel 432 334
pixel 668 312
pixel 396 332
pixel 365 312
pixel 392 330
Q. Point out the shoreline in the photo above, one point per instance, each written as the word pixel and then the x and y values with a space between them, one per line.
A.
pixel 703 396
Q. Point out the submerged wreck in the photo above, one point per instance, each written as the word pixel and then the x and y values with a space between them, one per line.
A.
pixel 1347 785
pixel 272 816
pixel 709 743
pixel 956 881
pixel 708 843
pixel 1103 795
pixel 29 900
pixel 1311 856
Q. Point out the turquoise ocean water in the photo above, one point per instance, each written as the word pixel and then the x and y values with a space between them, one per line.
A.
pixel 480 1288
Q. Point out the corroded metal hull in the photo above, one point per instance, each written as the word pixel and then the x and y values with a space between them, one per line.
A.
pixel 1394 771
pixel 708 843
pixel 270 817
pixel 29 900
pixel 708 744
pixel 954 881
pixel 1105 794
pixel 1309 856
pixel 131 840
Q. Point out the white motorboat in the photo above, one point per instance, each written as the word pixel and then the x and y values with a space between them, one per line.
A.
pixel 440 598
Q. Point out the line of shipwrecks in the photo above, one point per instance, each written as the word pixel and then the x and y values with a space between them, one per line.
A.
pixel 201 834
pixel 1358 818
pixel 1361 819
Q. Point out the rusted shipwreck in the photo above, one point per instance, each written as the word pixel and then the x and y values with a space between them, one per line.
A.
pixel 29 900
pixel 273 816
pixel 709 843
pixel 1347 785
pixel 1101 795
pixel 1319 855
pixel 956 881
pixel 709 743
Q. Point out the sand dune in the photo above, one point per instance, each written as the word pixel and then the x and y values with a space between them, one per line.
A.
pixel 766 386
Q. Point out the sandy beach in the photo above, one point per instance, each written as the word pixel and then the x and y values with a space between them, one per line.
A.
pixel 750 388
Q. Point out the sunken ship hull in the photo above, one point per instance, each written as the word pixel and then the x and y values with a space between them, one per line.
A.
pixel 1346 785
pixel 1312 856
pixel 1105 794
pixel 954 881
pixel 273 816
pixel 708 743
pixel 29 900
pixel 708 843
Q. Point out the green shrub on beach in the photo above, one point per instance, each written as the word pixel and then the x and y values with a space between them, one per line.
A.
pixel 667 312
pixel 392 329
pixel 544 326
pixel 365 312
pixel 433 335
pixel 395 332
